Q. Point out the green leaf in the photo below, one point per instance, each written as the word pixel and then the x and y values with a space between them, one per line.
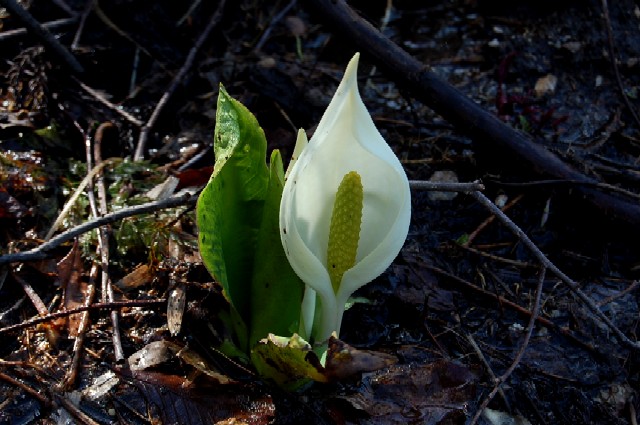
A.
pixel 276 290
pixel 229 210
pixel 239 237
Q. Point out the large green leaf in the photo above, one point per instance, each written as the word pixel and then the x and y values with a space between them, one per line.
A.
pixel 276 290
pixel 238 221
pixel 229 210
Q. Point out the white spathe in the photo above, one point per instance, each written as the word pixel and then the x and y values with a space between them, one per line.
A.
pixel 345 140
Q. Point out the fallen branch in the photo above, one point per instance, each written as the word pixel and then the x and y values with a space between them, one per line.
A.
pixel 6 35
pixel 42 251
pixel 462 112
pixel 445 186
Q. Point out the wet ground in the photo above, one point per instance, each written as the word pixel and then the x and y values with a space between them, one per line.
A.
pixel 453 308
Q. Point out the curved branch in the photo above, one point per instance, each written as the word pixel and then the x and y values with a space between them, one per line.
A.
pixel 42 251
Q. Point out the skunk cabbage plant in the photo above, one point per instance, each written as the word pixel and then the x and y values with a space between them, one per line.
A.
pixel 289 249
pixel 345 209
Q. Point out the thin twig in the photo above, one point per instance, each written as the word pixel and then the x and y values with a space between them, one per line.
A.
pixel 445 186
pixel 70 377
pixel 617 295
pixel 73 410
pixel 95 306
pixel 27 389
pixel 554 269
pixel 89 177
pixel 614 62
pixel 177 80
pixel 383 26
pixel 555 182
pixel 88 7
pixel 100 210
pixel 33 295
pixel 497 258
pixel 43 34
pixel 109 23
pixel 11 310
pixel 42 251
pixel 103 243
pixel 487 366
pixel 188 13
pixel 6 35
pixel 535 311
pixel 72 373
pixel 79 190
pixel 134 72
pixel 64 6
pixel 277 18
pixel 115 108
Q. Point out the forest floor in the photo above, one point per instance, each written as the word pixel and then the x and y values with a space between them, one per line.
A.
pixel 453 309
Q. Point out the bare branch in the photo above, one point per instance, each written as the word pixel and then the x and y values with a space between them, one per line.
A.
pixel 43 250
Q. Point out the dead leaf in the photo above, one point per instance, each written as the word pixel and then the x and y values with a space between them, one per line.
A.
pixel 101 386
pixel 153 354
pixel 75 291
pixel 175 309
pixel 546 85
pixel 172 399
pixel 291 363
pixel 164 189
pixel 158 353
pixel 429 394
pixel 198 362
pixel 141 275
pixel 344 360
pixel 194 178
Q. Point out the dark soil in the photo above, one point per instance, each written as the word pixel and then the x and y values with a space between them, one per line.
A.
pixel 454 306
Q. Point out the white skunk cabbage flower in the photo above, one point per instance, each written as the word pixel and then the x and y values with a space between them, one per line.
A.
pixel 345 208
